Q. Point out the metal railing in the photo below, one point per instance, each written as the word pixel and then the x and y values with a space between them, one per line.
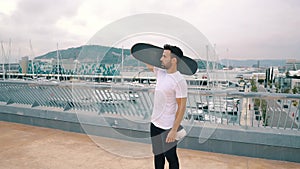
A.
pixel 264 110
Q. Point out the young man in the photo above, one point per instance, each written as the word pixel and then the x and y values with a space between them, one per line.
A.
pixel 169 107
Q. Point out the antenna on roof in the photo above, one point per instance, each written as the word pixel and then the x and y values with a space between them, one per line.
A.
pixel 32 64
pixel 3 68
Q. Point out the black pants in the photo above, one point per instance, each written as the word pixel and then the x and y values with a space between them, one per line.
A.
pixel 162 150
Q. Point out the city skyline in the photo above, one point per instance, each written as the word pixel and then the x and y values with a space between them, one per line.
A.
pixel 241 30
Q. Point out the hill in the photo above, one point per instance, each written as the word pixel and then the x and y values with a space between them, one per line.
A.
pixel 92 53
pixel 252 63
pixel 106 55
pixel 112 55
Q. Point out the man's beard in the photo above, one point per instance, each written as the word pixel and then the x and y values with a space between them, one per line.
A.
pixel 167 65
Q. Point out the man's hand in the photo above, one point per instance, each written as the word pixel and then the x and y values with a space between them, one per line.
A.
pixel 181 102
pixel 171 136
pixel 150 67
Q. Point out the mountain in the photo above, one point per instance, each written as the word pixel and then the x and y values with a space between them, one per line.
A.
pixel 107 55
pixel 91 53
pixel 252 63
pixel 112 55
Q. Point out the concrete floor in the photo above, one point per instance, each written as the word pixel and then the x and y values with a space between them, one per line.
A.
pixel 30 147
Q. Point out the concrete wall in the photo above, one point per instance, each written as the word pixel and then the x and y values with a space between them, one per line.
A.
pixel 277 144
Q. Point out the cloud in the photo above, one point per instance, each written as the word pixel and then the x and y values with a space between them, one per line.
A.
pixel 248 28
pixel 37 20
pixel 254 29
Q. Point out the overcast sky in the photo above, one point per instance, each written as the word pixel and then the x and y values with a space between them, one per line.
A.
pixel 241 29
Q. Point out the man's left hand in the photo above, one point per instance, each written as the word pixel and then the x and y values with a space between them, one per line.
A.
pixel 171 136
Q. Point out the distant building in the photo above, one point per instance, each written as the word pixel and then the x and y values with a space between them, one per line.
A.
pixel 288 81
pixel 24 62
pixel 292 64
pixel 9 68
pixel 295 83
pixel 259 76
pixel 71 66
pixel 283 84
pixel 295 73
pixel 273 72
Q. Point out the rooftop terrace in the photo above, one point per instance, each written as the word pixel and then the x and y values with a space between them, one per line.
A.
pixel 31 147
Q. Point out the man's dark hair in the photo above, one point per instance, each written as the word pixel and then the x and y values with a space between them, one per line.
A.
pixel 174 50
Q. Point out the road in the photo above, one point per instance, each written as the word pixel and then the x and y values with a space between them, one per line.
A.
pixel 277 116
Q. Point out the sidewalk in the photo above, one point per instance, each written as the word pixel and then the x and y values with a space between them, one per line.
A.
pixel 30 147
pixel 246 114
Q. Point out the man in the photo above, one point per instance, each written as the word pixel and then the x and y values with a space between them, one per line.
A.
pixel 169 107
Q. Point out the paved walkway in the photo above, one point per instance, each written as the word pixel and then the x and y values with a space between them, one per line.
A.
pixel 30 147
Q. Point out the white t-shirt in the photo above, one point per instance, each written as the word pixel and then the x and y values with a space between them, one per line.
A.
pixel 168 88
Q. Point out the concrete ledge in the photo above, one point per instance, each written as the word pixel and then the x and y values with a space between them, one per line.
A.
pixel 269 143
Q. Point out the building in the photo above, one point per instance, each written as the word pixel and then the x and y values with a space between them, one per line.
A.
pixel 292 64
pixel 283 84
pixel 24 62
pixel 9 68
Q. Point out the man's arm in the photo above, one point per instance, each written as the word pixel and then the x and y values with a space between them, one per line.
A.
pixel 150 67
pixel 181 102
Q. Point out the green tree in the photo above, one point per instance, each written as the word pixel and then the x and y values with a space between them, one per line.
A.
pixel 295 103
pixel 254 89
pixel 278 87
pixel 286 91
pixel 295 90
pixel 261 104
pixel 264 105
pixel 253 86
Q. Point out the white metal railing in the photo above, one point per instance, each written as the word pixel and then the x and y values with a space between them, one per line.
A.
pixel 203 106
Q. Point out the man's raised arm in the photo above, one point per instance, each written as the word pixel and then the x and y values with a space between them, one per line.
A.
pixel 150 67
